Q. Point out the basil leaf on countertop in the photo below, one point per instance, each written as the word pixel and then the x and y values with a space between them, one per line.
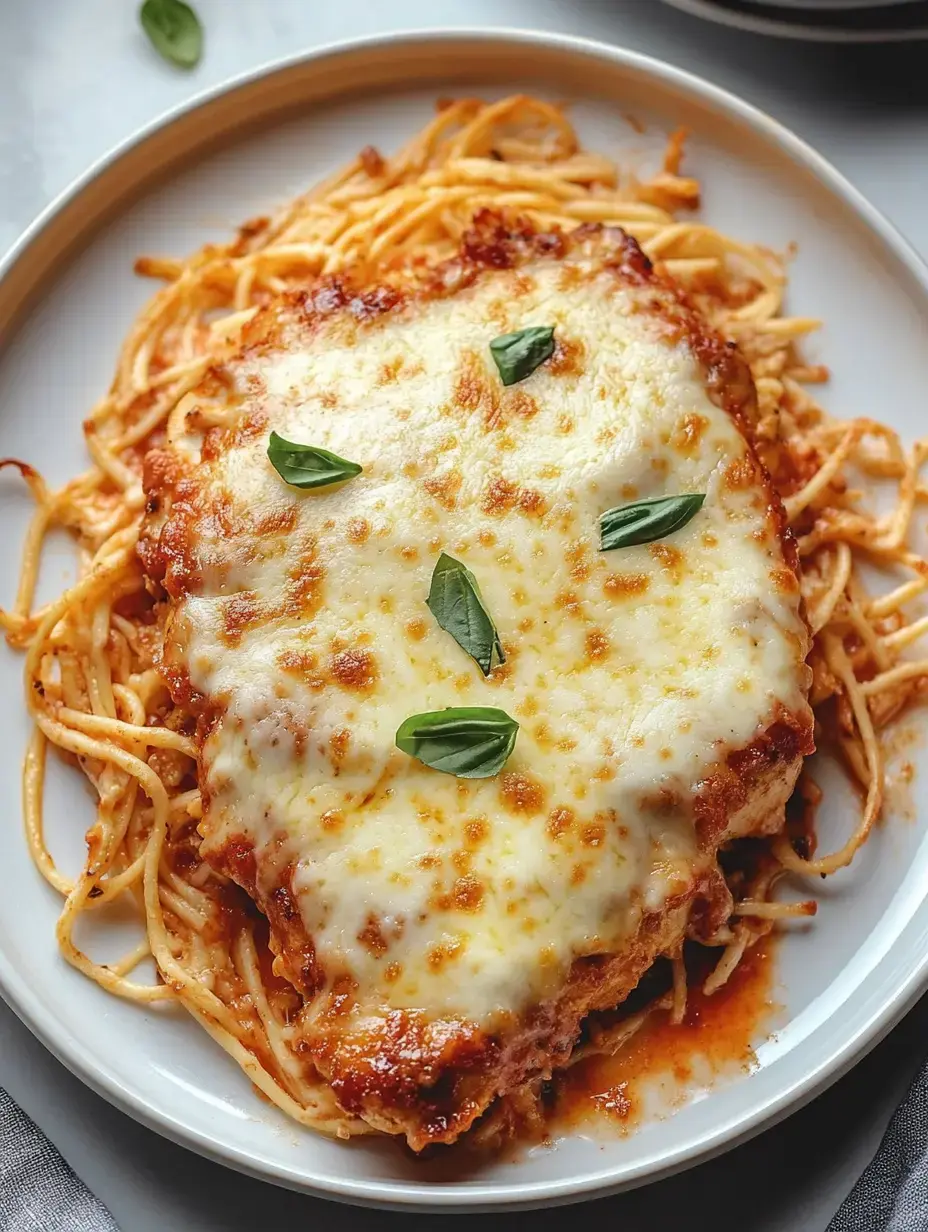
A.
pixel 174 31
pixel 518 355
pixel 647 520
pixel 308 466
pixel 456 603
pixel 470 742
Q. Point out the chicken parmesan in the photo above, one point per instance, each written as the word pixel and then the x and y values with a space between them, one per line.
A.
pixel 463 558
pixel 448 925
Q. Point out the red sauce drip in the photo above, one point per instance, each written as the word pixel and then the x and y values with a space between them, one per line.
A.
pixel 720 1031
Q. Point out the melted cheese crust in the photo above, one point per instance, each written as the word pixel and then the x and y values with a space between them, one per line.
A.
pixel 299 624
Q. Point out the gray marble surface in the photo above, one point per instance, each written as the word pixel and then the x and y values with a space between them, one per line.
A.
pixel 76 76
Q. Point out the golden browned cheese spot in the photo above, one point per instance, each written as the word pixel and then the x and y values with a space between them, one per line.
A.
pixel 522 284
pixel 390 370
pixel 521 793
pixel 338 745
pixel 528 706
pixel 568 601
pixel 593 834
pixel 679 691
pixel 560 821
pixel 461 861
pixel 688 432
pixel 500 496
pixel 415 628
pixel 668 557
pixel 332 820
pixel 372 938
pixel 354 669
pixel 359 530
pixel 740 474
pixel 567 359
pixel 476 391
pixel 579 561
pixel 476 830
pixel 429 860
pixel 784 580
pixel 440 955
pixel 565 424
pixel 239 613
pixel 467 894
pixel 276 521
pixel 709 540
pixel 661 465
pixel 577 875
pixel 621 585
pixel 570 276
pixel 532 502
pixel 444 488
pixel 486 538
pixel 597 645
pixel 521 403
pixel 304 665
pixel 392 972
pixel 303 595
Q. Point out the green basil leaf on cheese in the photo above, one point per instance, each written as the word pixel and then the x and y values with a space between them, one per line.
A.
pixel 518 355
pixel 647 520
pixel 470 742
pixel 456 603
pixel 308 466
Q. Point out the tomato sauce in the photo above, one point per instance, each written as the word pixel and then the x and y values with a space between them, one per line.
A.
pixel 715 1040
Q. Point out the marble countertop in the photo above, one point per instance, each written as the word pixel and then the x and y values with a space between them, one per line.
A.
pixel 75 78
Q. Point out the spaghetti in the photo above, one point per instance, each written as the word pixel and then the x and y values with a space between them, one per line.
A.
pixel 91 680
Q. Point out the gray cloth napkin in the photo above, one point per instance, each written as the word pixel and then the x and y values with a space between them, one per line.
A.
pixel 892 1193
pixel 38 1191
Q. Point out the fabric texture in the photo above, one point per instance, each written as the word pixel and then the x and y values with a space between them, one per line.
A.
pixel 892 1193
pixel 38 1191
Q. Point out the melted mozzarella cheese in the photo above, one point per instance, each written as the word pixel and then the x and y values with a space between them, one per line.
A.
pixel 631 673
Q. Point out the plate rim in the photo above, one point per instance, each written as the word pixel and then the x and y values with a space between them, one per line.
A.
pixel 54 1033
pixel 758 23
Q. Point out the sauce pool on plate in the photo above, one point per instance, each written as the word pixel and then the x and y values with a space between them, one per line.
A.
pixel 665 1066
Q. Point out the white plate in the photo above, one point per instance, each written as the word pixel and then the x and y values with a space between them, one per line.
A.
pixel 904 20
pixel 844 981
pixel 834 5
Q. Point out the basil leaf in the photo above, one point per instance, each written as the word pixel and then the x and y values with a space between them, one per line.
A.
pixel 470 742
pixel 308 466
pixel 647 520
pixel 174 30
pixel 518 355
pixel 456 603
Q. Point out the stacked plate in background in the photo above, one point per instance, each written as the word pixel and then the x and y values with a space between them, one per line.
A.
pixel 846 21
